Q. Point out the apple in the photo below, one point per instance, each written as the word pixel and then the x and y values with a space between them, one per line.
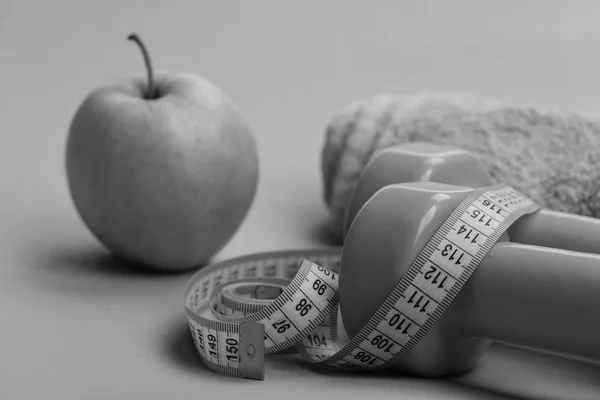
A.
pixel 161 170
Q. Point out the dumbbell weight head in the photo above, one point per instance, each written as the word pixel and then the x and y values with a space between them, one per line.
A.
pixel 416 162
pixel 385 237
pixel 422 162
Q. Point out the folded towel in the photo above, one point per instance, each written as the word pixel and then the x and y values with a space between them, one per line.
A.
pixel 552 157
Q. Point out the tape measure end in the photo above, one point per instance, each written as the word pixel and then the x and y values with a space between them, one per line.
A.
pixel 252 351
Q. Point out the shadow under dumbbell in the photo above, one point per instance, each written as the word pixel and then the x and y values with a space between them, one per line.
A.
pixel 505 372
pixel 524 374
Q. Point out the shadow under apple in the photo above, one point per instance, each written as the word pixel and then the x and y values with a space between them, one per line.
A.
pixel 96 260
pixel 92 272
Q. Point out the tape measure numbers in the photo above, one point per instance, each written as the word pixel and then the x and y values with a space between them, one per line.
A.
pixel 232 329
pixel 283 302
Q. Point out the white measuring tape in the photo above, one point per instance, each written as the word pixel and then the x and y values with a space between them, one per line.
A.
pixel 281 302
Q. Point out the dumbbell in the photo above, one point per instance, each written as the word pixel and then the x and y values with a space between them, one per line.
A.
pixel 421 162
pixel 537 297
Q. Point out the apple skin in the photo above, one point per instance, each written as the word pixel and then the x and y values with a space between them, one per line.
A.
pixel 166 182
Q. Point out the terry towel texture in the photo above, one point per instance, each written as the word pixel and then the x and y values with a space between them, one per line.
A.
pixel 551 157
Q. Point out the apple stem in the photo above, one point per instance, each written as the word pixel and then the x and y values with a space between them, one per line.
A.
pixel 148 61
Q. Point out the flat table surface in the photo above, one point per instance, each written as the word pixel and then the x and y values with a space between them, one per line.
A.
pixel 76 324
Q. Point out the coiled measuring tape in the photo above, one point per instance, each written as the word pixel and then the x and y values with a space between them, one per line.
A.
pixel 282 302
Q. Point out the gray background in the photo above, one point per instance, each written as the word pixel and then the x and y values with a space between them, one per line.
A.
pixel 76 325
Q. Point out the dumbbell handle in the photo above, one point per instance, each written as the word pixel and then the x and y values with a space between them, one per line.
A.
pixel 544 228
pixel 558 230
pixel 538 297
